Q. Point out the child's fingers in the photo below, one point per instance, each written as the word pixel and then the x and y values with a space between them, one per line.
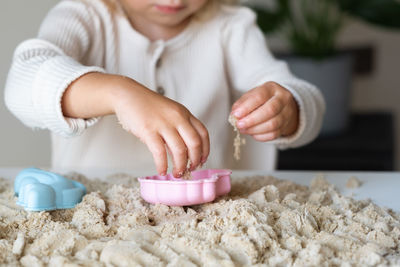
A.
pixel 252 100
pixel 271 125
pixel 178 149
pixel 248 105
pixel 239 102
pixel 249 102
pixel 156 146
pixel 268 136
pixel 205 138
pixel 265 112
pixel 193 141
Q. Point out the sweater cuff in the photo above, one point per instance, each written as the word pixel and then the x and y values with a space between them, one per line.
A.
pixel 52 79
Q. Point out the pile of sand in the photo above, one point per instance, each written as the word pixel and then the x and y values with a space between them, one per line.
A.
pixel 263 220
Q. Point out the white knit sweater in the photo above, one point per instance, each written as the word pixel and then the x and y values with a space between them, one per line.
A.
pixel 206 67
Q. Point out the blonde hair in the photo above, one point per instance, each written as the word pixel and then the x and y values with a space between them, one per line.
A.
pixel 207 11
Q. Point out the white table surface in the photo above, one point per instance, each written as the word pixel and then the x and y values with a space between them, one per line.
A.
pixel 381 187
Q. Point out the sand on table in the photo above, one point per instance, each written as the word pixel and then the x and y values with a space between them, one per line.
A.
pixel 262 221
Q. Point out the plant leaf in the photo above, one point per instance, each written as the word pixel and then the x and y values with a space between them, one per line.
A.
pixel 312 27
pixel 271 20
pixel 268 21
pixel 380 12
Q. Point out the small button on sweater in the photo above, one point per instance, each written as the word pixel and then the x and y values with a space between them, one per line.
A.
pixel 206 67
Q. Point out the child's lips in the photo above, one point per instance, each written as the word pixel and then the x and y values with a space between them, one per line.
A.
pixel 169 9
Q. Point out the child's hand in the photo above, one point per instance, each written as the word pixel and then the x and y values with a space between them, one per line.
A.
pixel 266 112
pixel 162 123
pixel 159 122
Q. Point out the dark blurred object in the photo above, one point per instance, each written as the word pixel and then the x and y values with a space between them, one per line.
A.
pixel 363 58
pixel 367 145
pixel 333 77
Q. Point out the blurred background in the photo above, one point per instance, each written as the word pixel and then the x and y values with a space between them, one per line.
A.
pixel 349 48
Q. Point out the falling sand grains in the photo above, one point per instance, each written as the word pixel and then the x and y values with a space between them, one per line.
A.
pixel 238 140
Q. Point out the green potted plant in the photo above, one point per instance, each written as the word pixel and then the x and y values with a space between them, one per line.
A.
pixel 311 28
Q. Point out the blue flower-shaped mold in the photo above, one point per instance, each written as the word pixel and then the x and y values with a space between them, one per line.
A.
pixel 39 190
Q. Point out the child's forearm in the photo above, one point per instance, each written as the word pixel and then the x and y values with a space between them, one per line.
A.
pixel 93 95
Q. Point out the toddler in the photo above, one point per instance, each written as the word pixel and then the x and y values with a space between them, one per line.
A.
pixel 121 84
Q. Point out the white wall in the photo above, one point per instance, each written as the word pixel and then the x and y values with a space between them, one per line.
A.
pixel 20 146
pixel 20 19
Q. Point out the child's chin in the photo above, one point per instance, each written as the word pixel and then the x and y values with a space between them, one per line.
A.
pixel 172 21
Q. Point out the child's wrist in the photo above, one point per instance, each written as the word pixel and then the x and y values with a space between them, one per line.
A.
pixel 122 89
pixel 116 90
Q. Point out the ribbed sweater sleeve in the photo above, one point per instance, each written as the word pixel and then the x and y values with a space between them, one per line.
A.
pixel 43 68
pixel 250 64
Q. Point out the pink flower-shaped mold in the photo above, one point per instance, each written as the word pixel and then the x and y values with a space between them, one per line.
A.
pixel 205 186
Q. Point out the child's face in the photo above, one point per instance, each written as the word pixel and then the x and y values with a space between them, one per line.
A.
pixel 163 12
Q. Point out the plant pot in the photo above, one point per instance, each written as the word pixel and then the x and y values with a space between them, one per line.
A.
pixel 333 77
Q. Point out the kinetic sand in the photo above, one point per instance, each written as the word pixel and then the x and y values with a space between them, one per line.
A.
pixel 262 221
